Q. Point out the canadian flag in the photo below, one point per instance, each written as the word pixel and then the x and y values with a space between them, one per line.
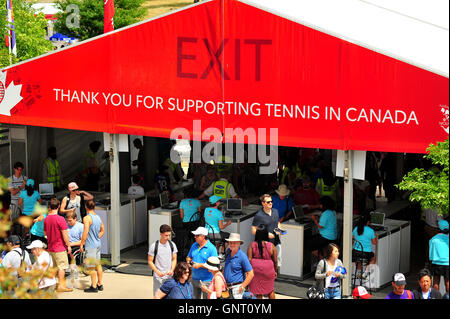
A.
pixel 108 22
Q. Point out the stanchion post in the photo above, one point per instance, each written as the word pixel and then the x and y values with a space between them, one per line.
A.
pixel 115 200
pixel 348 222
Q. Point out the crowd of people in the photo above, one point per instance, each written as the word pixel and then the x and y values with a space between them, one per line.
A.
pixel 215 266
pixel 204 275
pixel 59 237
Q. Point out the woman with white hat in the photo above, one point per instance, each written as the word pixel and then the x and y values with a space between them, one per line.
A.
pixel 218 283
pixel 43 262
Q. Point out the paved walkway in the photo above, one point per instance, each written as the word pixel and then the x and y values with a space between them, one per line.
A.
pixel 120 286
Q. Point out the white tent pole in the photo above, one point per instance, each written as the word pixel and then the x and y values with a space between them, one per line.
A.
pixel 348 222
pixel 115 200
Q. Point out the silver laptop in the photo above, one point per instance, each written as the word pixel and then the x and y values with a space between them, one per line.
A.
pixel 46 189
pixel 234 206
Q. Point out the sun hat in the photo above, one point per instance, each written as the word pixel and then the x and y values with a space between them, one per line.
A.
pixel 361 292
pixel 30 182
pixel 200 231
pixel 36 244
pixel 234 237
pixel 399 279
pixel 443 224
pixel 213 263
pixel 214 199
pixel 72 186
pixel 283 190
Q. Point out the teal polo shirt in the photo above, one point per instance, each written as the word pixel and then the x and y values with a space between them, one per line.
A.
pixel 190 207
pixel 329 223
pixel 201 256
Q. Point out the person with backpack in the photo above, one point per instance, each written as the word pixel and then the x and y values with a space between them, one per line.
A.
pixel 162 258
pixel 398 288
pixel 75 201
pixel 17 256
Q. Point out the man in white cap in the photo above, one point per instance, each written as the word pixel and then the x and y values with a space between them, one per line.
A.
pixel 75 201
pixel 283 203
pixel 238 271
pixel 43 262
pixel 199 253
pixel 399 291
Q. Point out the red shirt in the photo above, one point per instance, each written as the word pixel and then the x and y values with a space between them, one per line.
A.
pixel 53 225
pixel 310 197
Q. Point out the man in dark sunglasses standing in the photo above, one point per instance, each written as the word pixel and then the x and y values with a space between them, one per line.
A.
pixel 268 216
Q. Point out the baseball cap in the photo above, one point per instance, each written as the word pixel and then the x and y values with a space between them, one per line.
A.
pixel 361 292
pixel 201 231
pixel 72 186
pixel 399 279
pixel 443 224
pixel 14 239
pixel 36 244
pixel 214 199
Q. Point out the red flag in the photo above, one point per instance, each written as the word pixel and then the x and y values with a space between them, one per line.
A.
pixel 108 22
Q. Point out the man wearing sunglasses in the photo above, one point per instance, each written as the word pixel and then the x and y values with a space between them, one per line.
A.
pixel 268 216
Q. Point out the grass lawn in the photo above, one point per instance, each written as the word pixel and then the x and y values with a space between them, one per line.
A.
pixel 159 7
pixel 156 7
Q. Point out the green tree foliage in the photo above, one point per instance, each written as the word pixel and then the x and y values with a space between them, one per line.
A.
pixel 430 187
pixel 89 23
pixel 30 29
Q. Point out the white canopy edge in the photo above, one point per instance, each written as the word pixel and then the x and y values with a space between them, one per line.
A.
pixel 412 31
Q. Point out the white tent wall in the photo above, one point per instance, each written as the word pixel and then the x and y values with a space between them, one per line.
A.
pixel 412 31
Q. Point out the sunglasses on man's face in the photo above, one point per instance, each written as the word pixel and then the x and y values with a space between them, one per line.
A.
pixel 268 202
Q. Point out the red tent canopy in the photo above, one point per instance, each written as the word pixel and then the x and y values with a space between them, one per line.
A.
pixel 231 65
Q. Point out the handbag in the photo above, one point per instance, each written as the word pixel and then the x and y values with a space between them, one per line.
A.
pixel 228 293
pixel 314 292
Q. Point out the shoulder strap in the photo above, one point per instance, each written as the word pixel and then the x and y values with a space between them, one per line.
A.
pixel 20 254
pixel 324 272
pixel 409 294
pixel 171 246
pixel 82 207
pixel 156 251
pixel 68 200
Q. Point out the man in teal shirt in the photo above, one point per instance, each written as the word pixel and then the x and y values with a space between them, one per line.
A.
pixel 199 253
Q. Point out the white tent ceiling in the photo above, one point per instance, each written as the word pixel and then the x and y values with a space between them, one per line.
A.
pixel 413 31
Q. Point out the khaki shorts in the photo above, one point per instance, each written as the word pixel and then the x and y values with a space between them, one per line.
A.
pixel 60 260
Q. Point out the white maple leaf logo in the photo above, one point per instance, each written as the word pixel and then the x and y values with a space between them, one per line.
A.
pixel 444 122
pixel 10 96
